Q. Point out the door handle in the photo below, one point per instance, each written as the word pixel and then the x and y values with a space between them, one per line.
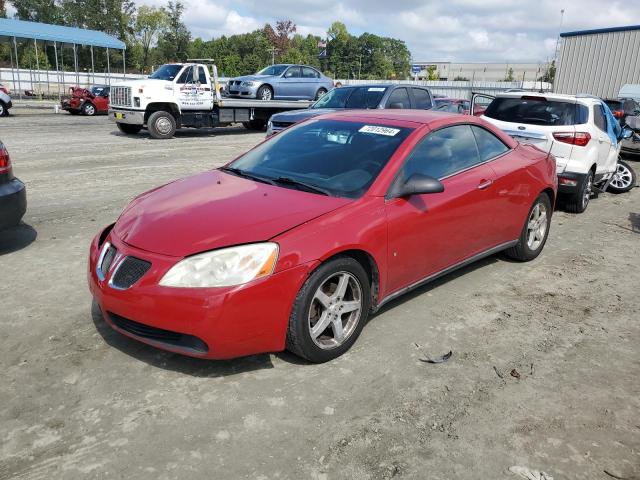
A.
pixel 484 184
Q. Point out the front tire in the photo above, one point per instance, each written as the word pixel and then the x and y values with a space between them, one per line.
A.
pixel 89 109
pixel 535 231
pixel 578 202
pixel 624 179
pixel 329 311
pixel 161 125
pixel 265 92
pixel 3 109
pixel 128 128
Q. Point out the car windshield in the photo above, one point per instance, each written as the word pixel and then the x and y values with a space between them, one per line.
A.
pixel 537 111
pixel 166 72
pixel 614 105
pixel 338 158
pixel 273 70
pixel 97 90
pixel 352 97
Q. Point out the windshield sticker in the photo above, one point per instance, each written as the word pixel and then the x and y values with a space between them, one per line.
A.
pixel 389 132
pixel 376 89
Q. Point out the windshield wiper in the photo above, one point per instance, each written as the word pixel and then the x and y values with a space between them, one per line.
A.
pixel 244 174
pixel 305 186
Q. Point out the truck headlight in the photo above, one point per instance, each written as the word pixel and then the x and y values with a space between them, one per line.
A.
pixel 248 84
pixel 223 268
pixel 136 101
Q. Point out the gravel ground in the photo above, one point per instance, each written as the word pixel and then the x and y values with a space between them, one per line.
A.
pixel 544 372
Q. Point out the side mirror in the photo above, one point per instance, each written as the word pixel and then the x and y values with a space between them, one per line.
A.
pixel 396 105
pixel 417 184
pixel 626 133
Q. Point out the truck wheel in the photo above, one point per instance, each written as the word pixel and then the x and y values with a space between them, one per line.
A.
pixel 161 125
pixel 254 125
pixel 624 179
pixel 265 93
pixel 89 109
pixel 128 128
pixel 320 93
pixel 578 201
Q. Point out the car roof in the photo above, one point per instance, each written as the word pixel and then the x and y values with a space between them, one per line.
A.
pixel 551 96
pixel 409 116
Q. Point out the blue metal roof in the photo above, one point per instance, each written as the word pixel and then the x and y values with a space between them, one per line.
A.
pixel 57 33
pixel 600 30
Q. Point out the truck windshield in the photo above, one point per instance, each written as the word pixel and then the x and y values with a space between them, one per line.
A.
pixel 352 97
pixel 273 70
pixel 337 157
pixel 166 72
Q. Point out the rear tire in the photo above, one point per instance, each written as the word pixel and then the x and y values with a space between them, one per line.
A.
pixel 128 128
pixel 624 179
pixel 161 125
pixel 326 320
pixel 579 201
pixel 3 109
pixel 89 109
pixel 535 231
pixel 265 92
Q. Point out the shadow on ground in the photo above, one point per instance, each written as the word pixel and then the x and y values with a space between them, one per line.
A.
pixel 16 238
pixel 634 219
pixel 195 367
pixel 189 132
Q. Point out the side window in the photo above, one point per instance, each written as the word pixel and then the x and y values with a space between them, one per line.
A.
pixel 421 98
pixel 489 145
pixel 400 96
pixel 186 76
pixel 293 72
pixel 202 78
pixel 309 73
pixel 598 118
pixel 443 153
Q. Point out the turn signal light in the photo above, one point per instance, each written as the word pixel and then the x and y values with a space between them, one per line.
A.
pixel 5 161
pixel 580 139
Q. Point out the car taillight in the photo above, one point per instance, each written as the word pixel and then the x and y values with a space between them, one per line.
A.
pixel 618 113
pixel 5 161
pixel 580 139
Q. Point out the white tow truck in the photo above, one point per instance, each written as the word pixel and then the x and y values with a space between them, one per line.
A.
pixel 180 95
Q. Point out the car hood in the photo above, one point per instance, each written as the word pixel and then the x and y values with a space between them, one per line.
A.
pixel 295 116
pixel 254 78
pixel 213 210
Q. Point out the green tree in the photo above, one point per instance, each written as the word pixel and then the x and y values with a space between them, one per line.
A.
pixel 509 77
pixel 150 22
pixel 173 43
pixel 280 36
pixel 46 11
pixel 432 72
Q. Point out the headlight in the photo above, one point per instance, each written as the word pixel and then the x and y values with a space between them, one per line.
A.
pixel 248 84
pixel 223 268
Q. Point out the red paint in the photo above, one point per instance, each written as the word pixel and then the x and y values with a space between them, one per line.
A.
pixel 407 238
pixel 79 96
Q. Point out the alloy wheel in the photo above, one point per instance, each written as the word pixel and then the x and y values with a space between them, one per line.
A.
pixel 266 94
pixel 335 310
pixel 622 178
pixel 537 226
pixel 587 191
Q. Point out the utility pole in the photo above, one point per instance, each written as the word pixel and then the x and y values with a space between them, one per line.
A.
pixel 555 56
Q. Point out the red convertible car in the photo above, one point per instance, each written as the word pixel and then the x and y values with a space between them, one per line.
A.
pixel 295 243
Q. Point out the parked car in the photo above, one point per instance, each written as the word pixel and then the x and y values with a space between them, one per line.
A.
pixel 13 194
pixel 576 129
pixel 356 97
pixel 5 101
pixel 87 101
pixel 315 228
pixel 285 81
pixel 622 108
pixel 452 105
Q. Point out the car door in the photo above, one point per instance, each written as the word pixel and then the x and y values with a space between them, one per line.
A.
pixel 607 151
pixel 430 233
pixel 399 98
pixel 291 84
pixel 102 100
pixel 310 81
pixel 479 103
pixel 205 89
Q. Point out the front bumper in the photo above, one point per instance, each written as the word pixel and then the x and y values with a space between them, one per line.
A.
pixel 217 323
pixel 242 91
pixel 13 203
pixel 132 117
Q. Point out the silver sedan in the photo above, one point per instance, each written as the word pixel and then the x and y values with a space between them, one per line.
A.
pixel 283 81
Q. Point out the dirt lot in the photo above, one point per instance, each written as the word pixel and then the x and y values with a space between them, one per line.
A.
pixel 79 401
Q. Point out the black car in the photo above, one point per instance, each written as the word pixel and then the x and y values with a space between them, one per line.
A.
pixel 357 96
pixel 622 108
pixel 13 194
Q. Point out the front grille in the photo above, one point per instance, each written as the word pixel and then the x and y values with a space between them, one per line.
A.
pixel 129 272
pixel 120 97
pixel 107 260
pixel 188 343
pixel 281 124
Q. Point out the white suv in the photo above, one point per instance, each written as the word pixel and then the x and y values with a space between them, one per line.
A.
pixel 574 128
pixel 5 101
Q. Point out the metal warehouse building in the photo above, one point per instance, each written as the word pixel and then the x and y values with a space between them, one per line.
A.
pixel 599 62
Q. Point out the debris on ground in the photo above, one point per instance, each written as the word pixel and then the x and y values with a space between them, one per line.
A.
pixel 620 477
pixel 515 374
pixel 439 359
pixel 524 472
pixel 495 369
